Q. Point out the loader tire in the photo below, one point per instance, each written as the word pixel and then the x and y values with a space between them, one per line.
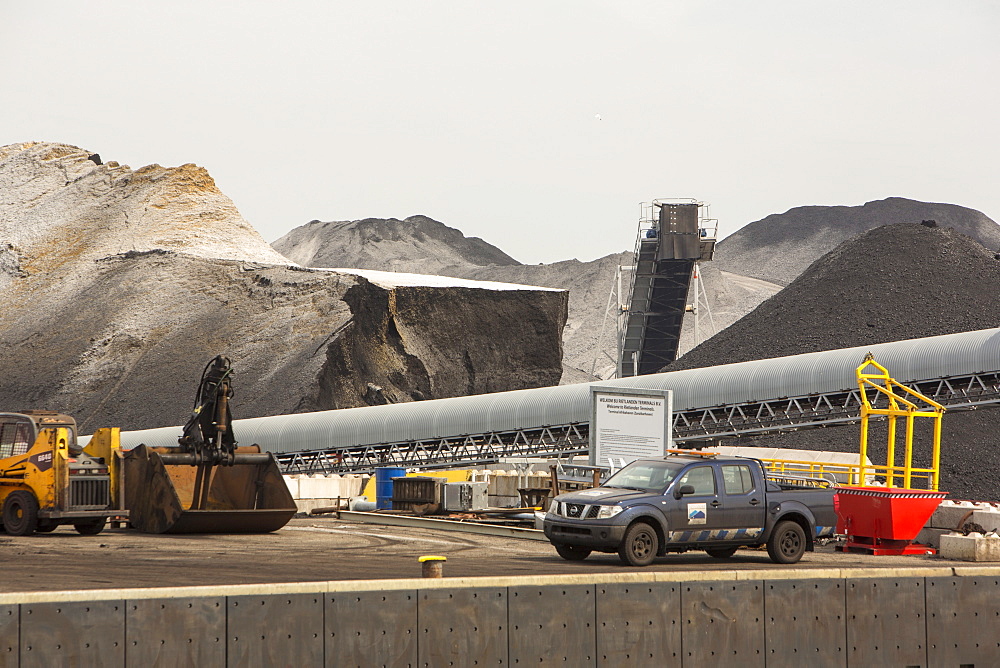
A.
pixel 20 513
pixel 91 528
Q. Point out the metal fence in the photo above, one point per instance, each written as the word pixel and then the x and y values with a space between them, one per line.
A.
pixel 903 617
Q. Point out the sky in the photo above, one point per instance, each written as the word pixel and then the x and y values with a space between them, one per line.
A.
pixel 537 126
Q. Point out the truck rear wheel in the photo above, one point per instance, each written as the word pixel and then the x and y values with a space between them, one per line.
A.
pixel 640 545
pixel 20 513
pixel 91 528
pixel 572 552
pixel 787 543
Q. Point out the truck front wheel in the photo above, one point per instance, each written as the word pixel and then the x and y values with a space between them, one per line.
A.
pixel 640 545
pixel 20 513
pixel 787 543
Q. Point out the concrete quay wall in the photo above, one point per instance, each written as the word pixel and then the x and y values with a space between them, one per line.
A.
pixel 775 617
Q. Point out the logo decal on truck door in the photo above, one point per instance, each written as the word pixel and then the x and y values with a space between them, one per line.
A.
pixel 697 513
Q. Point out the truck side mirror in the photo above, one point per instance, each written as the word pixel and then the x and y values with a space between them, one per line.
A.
pixel 684 490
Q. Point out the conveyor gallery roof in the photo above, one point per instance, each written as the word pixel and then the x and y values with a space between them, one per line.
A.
pixel 819 373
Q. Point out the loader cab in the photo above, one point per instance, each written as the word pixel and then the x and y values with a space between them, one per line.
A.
pixel 17 434
pixel 19 431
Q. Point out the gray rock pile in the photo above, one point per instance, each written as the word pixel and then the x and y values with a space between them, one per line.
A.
pixel 420 244
pixel 416 245
pixel 119 284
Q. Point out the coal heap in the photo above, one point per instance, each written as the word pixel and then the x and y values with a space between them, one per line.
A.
pixel 781 246
pixel 891 283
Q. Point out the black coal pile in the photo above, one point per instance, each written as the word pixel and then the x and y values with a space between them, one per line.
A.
pixel 781 246
pixel 891 283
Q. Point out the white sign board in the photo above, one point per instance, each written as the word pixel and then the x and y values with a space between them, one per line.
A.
pixel 627 424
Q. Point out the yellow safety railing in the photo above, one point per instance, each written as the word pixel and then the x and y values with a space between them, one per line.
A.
pixel 841 472
pixel 902 402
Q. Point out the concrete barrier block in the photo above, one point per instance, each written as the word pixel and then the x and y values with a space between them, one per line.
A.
pixel 351 485
pixel 539 480
pixel 500 501
pixel 307 505
pixel 319 487
pixel 988 519
pixel 293 484
pixel 950 513
pixel 974 547
pixel 931 536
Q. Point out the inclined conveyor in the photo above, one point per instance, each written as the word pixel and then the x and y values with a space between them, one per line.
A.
pixel 666 251
pixel 961 371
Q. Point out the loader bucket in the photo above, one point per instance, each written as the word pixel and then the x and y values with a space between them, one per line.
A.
pixel 248 497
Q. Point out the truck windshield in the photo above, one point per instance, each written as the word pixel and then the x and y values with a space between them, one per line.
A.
pixel 645 476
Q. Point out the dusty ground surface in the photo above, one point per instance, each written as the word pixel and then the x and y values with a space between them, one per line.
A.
pixel 321 549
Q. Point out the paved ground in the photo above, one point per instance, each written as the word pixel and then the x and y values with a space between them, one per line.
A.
pixel 320 549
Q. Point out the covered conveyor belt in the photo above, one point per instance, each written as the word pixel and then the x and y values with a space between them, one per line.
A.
pixel 813 389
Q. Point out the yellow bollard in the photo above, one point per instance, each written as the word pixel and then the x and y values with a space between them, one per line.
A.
pixel 433 567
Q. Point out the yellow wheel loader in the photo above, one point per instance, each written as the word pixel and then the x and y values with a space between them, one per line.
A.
pixel 47 479
pixel 206 484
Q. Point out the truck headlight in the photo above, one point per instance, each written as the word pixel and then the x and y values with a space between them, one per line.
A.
pixel 604 512
pixel 554 508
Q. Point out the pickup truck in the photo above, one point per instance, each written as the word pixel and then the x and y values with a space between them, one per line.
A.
pixel 698 502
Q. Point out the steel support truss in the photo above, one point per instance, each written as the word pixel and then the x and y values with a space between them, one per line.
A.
pixel 823 410
pixel 555 441
pixel 689 426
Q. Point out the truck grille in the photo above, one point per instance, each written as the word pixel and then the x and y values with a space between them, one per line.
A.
pixel 577 511
pixel 89 493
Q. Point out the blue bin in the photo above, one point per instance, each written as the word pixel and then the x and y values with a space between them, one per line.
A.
pixel 383 484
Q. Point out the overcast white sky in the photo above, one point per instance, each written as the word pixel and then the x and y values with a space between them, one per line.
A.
pixel 485 115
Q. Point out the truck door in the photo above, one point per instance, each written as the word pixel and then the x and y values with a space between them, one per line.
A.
pixel 743 501
pixel 696 517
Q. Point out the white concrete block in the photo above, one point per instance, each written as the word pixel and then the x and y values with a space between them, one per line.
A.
pixel 974 547
pixel 950 513
pixel 930 536
pixel 498 501
pixel 293 484
pixel 351 485
pixel 988 519
pixel 503 485
pixel 539 480
pixel 319 487
pixel 307 505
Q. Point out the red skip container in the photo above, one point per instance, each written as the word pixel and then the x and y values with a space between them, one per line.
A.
pixel 880 520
